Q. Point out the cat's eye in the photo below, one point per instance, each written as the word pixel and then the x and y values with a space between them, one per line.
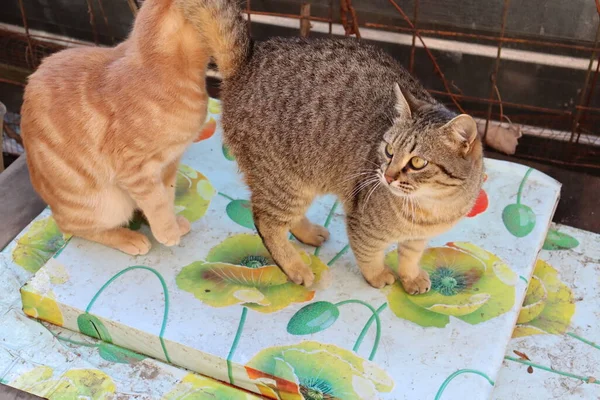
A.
pixel 389 150
pixel 417 163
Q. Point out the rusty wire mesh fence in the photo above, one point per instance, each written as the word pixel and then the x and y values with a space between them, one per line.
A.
pixel 503 62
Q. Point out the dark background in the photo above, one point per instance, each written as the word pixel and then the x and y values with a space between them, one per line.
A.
pixel 571 21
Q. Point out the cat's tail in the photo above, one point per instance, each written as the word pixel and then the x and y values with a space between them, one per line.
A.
pixel 222 27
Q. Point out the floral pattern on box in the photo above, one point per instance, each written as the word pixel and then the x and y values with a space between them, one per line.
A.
pixel 217 305
pixel 555 350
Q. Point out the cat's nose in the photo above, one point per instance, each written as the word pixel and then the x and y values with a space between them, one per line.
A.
pixel 388 179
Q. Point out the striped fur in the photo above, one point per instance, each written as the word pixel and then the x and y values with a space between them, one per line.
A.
pixel 104 128
pixel 309 117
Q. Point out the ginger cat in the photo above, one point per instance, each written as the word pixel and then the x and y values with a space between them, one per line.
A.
pixel 104 128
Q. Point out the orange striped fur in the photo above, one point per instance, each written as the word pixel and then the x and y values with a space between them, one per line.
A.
pixel 104 128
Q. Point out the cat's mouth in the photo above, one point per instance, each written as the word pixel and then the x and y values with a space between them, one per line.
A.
pixel 400 189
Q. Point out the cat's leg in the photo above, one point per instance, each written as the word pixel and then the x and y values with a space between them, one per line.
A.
pixel 123 239
pixel 309 233
pixel 274 236
pixel 414 279
pixel 369 251
pixel 148 189
pixel 273 219
pixel 101 220
pixel 169 180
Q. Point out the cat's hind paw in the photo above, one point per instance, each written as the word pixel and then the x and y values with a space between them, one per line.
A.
pixel 133 243
pixel 300 274
pixel 310 234
pixel 385 277
pixel 418 285
pixel 184 225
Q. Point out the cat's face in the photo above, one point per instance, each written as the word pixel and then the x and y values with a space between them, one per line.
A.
pixel 427 153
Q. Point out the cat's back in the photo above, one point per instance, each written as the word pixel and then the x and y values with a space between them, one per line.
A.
pixel 61 72
pixel 317 96
pixel 294 66
pixel 317 86
pixel 63 116
pixel 61 93
pixel 296 56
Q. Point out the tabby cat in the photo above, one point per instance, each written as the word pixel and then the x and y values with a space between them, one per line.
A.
pixel 310 117
pixel 105 128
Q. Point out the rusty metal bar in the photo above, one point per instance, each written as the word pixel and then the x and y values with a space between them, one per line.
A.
pixel 422 31
pixel 414 38
pixel 330 17
pixel 434 92
pixel 294 16
pixel 484 100
pixel 350 27
pixel 435 32
pixel 92 20
pixel 11 82
pixel 559 162
pixel 592 109
pixel 108 30
pixel 584 89
pixel 494 77
pixel 249 13
pixel 33 59
pixel 594 81
pixel 355 27
pixel 133 7
pixel 47 40
pixel 585 116
pixel 430 54
pixel 304 21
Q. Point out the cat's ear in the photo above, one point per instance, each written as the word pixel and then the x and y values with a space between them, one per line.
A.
pixel 406 103
pixel 402 107
pixel 463 129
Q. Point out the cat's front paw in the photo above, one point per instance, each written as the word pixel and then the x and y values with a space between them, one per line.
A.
pixel 417 285
pixel 382 279
pixel 300 274
pixel 184 225
pixel 170 234
pixel 133 243
pixel 311 234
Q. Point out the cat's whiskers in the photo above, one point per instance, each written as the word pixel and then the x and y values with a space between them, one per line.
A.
pixel 365 181
pixel 370 194
pixel 361 186
pixel 356 175
pixel 370 161
pixel 364 184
